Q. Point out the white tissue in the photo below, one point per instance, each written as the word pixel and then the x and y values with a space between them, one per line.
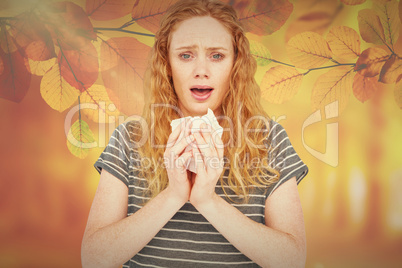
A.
pixel 209 119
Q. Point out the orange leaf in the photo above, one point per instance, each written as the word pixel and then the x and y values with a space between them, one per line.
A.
pixel 31 34
pixel 344 42
pixel 388 13
pixel 108 9
pixel 400 10
pixel 80 67
pixel 123 64
pixel 353 2
pixel 365 87
pixel 308 50
pixel 398 93
pixel 14 77
pixel 280 83
pixel 332 86
pixel 371 61
pixel 105 110
pixel 148 13
pixel 391 72
pixel 68 24
pixel 370 27
pixel 262 17
pixel 313 22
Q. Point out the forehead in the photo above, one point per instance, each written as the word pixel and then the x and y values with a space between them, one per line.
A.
pixel 204 31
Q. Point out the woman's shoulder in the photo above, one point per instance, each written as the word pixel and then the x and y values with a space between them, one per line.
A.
pixel 276 133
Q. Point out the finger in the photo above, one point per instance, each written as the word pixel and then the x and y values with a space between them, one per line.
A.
pixel 218 144
pixel 199 161
pixel 175 133
pixel 179 147
pixel 183 160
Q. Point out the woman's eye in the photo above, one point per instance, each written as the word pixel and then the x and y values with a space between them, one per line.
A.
pixel 185 56
pixel 217 56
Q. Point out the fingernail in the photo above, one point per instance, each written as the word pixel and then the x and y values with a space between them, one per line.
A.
pixel 192 138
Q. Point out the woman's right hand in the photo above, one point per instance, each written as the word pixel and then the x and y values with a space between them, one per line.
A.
pixel 175 159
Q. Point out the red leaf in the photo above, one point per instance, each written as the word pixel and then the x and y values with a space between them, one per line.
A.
pixel 371 61
pixel 108 9
pixel 262 17
pixel 365 87
pixel 30 33
pixel 14 76
pixel 80 68
pixel 123 65
pixel 391 72
pixel 68 23
pixel 148 13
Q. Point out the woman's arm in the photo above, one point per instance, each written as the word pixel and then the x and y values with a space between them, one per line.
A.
pixel 279 243
pixel 111 238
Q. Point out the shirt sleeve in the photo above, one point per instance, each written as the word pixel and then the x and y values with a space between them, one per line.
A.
pixel 115 157
pixel 283 157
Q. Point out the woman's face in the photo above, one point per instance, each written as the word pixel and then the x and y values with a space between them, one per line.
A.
pixel 201 57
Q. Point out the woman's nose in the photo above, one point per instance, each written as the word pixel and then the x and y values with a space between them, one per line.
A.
pixel 201 69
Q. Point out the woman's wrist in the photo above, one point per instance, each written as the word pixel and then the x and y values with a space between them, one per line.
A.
pixel 206 204
pixel 173 197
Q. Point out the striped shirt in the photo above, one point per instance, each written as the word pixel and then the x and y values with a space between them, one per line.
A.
pixel 188 239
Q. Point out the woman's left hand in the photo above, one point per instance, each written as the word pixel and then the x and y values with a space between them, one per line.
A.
pixel 208 152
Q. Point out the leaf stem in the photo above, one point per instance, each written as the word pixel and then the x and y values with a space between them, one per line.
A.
pixel 122 30
pixel 283 63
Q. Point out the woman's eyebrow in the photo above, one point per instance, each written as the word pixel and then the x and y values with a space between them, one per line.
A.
pixel 195 46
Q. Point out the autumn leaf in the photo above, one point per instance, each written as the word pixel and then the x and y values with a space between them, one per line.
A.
pixel 148 13
pixel 280 83
pixel 31 34
pixel 335 85
pixel 260 53
pixel 353 2
pixel 68 24
pixel 108 9
pixel 79 67
pixel 80 139
pixel 370 27
pixel 312 16
pixel 56 92
pixel 262 17
pixel 388 14
pixel 14 77
pixel 398 93
pixel 39 68
pixel 308 50
pixel 400 10
pixel 365 87
pixel 123 64
pixel 98 97
pixel 391 72
pixel 344 42
pixel 371 61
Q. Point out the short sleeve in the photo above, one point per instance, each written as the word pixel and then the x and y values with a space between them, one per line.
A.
pixel 115 157
pixel 283 157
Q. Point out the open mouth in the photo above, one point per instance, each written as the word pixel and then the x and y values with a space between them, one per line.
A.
pixel 201 91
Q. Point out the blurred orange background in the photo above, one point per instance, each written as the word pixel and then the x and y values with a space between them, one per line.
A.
pixel 352 210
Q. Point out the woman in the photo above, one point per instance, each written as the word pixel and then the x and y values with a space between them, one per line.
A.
pixel 155 212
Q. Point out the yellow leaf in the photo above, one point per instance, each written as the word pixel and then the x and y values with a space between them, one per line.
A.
pixel 260 53
pixel 59 94
pixel 370 27
pixel 39 68
pixel 102 107
pixel 371 61
pixel 308 50
pixel 332 86
pixel 80 139
pixel 398 93
pixel 353 2
pixel 344 42
pixel 280 84
pixel 388 14
pixel 391 72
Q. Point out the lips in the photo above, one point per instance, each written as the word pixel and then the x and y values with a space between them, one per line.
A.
pixel 201 92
